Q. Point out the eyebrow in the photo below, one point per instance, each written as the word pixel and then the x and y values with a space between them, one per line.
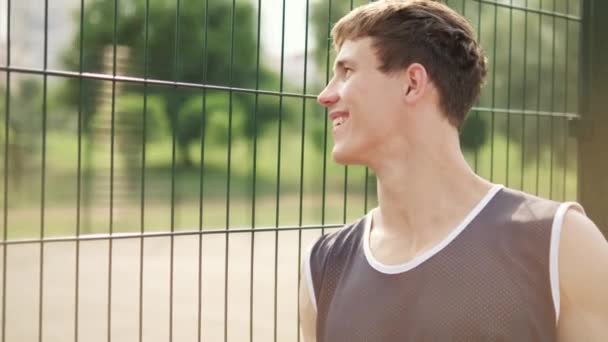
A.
pixel 341 63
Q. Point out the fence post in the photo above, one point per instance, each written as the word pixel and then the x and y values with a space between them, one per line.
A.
pixel 593 135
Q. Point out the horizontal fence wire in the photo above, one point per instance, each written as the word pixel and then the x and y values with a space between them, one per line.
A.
pixel 143 81
pixel 136 80
pixel 509 5
pixel 262 162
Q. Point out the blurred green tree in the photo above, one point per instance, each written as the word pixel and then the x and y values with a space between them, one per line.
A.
pixel 192 46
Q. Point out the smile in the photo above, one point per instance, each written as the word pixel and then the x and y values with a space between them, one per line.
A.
pixel 338 118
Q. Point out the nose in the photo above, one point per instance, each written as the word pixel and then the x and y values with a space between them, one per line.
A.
pixel 328 97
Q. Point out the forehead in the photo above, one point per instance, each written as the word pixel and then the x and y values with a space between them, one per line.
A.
pixel 359 51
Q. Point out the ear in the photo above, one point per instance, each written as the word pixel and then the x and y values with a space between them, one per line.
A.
pixel 415 82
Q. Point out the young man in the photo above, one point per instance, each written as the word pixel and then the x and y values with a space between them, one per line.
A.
pixel 446 255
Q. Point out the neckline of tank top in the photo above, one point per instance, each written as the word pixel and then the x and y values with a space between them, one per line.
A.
pixel 411 264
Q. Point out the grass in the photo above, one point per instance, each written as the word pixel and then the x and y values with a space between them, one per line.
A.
pixel 163 212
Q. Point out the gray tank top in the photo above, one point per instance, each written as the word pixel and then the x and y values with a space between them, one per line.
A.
pixel 494 278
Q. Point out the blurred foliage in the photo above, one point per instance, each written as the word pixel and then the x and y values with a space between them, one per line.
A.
pixel 194 47
pixel 130 113
pixel 215 123
pixel 473 133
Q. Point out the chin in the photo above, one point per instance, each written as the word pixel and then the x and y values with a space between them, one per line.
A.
pixel 344 157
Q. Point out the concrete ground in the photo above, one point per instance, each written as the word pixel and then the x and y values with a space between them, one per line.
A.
pixel 59 284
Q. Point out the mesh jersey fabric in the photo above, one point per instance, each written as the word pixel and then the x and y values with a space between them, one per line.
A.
pixel 490 282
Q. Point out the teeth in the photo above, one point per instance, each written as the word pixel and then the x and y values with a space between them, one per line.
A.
pixel 340 120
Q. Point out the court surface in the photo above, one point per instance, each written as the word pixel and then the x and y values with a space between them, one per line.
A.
pixel 59 294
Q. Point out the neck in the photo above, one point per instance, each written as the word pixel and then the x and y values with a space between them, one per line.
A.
pixel 425 194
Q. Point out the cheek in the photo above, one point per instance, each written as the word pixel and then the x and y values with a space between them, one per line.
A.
pixel 374 105
pixel 383 119
pixel 348 92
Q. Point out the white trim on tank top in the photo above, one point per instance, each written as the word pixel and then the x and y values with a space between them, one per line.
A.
pixel 404 267
pixel 556 230
pixel 308 274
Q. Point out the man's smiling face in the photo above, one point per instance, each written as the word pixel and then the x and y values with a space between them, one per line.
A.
pixel 364 104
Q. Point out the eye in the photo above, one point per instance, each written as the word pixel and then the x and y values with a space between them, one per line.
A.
pixel 347 72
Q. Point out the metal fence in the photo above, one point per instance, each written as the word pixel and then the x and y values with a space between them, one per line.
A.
pixel 165 164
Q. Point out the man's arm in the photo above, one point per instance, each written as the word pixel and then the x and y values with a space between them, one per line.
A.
pixel 583 274
pixel 308 314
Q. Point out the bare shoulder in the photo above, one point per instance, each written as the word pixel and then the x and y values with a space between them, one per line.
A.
pixel 583 275
pixel 583 251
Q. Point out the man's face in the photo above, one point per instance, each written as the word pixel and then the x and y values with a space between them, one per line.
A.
pixel 364 104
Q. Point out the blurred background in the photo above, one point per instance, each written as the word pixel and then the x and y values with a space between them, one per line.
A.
pixel 141 123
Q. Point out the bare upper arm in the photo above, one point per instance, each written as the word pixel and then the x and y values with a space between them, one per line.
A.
pixel 308 312
pixel 583 276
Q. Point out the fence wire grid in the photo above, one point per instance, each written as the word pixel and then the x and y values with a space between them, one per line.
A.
pixel 165 164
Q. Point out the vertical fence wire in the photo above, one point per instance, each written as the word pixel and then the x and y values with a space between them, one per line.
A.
pixel 538 93
pixel 112 165
pixel 476 153
pixel 509 74
pixel 6 165
pixel 142 198
pixel 325 129
pixel 524 100
pixel 254 165
pixel 205 64
pixel 301 175
pixel 566 121
pixel 552 104
pixel 278 194
pixel 583 70
pixel 228 167
pixel 79 172
pixel 174 125
pixel 493 113
pixel 43 173
pixel 345 192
